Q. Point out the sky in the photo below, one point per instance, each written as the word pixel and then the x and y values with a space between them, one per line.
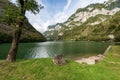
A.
pixel 56 11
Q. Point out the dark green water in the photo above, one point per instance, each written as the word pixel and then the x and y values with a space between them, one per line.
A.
pixel 49 49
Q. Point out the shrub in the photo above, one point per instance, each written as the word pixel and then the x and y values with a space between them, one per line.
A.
pixel 117 38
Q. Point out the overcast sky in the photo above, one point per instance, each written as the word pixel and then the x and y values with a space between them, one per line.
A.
pixel 56 11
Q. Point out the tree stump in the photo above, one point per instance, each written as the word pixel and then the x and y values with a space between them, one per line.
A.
pixel 59 60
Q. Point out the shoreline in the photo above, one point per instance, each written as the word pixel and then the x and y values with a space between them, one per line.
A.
pixel 93 59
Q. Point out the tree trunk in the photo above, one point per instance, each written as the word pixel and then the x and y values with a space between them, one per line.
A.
pixel 14 47
pixel 15 42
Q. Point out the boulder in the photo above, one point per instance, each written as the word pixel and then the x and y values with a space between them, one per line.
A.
pixel 59 60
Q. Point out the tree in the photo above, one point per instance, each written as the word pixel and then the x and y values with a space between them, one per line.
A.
pixel 17 17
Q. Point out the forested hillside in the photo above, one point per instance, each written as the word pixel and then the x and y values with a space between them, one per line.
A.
pixel 29 33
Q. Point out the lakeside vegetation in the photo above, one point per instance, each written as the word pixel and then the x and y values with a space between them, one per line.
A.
pixel 44 69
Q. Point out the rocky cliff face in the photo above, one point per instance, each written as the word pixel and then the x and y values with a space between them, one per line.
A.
pixel 87 23
pixel 29 33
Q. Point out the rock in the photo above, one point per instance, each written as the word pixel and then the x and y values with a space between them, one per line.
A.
pixel 91 60
pixel 59 60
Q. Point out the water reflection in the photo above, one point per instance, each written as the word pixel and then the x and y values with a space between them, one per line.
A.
pixel 49 49
pixel 45 50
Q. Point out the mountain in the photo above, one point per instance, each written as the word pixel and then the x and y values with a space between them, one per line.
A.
pixel 30 34
pixel 97 22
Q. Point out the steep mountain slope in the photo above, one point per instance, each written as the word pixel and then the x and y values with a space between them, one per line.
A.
pixel 29 33
pixel 94 22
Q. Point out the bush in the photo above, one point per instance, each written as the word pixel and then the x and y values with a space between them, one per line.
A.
pixel 117 38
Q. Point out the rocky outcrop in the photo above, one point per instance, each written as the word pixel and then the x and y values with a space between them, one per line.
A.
pixel 86 23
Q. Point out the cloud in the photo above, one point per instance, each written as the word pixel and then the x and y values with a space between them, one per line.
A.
pixel 63 15
pixel 68 5
pixel 37 23
pixel 42 26
pixel 42 20
pixel 59 17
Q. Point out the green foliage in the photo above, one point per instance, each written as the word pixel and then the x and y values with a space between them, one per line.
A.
pixel 93 6
pixel 98 32
pixel 31 5
pixel 98 18
pixel 5 37
pixel 96 6
pixel 29 36
pixel 44 69
pixel 113 5
pixel 81 10
pixel 11 14
pixel 98 38
pixel 117 38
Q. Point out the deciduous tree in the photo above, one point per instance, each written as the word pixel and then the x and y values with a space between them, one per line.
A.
pixel 17 17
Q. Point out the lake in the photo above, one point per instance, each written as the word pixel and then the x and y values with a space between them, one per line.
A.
pixel 70 49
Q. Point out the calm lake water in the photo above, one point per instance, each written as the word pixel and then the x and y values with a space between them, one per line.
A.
pixel 71 50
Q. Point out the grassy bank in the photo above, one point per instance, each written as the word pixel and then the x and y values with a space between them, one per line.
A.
pixel 44 69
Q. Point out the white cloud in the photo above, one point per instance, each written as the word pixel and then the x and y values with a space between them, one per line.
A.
pixel 42 20
pixel 68 5
pixel 62 16
pixel 41 25
pixel 37 23
pixel 59 17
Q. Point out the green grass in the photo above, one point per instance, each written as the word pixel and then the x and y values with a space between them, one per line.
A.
pixel 44 69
